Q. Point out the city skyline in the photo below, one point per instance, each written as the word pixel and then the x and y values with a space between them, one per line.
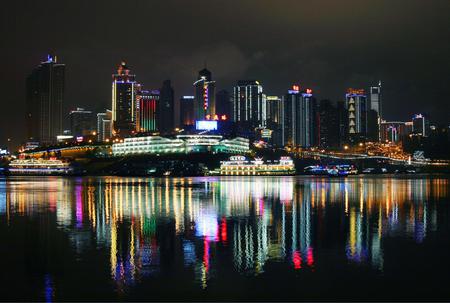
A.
pixel 411 69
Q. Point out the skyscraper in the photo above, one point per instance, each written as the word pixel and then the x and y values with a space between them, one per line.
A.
pixel 187 111
pixel 274 118
pixel 375 99
pixel 420 125
pixel 147 103
pixel 328 126
pixel 376 105
pixel 223 103
pixel 104 125
pixel 358 107
pixel 166 108
pixel 205 98
pixel 82 122
pixel 249 104
pixel 123 101
pixel 44 101
pixel 299 118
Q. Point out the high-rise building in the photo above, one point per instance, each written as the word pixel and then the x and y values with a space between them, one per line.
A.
pixel 205 96
pixel 299 118
pixel 376 105
pixel 328 126
pixel 166 113
pixel 420 125
pixel 223 103
pixel 357 107
pixel 249 104
pixel 393 131
pixel 147 103
pixel 82 122
pixel 44 103
pixel 123 101
pixel 342 116
pixel 274 118
pixel 104 126
pixel 187 111
pixel 375 99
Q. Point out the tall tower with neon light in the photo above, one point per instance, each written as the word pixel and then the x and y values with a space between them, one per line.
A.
pixel 147 103
pixel 205 96
pixel 249 104
pixel 358 108
pixel 299 120
pixel 44 101
pixel 123 101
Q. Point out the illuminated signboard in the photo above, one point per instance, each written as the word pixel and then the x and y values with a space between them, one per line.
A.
pixel 206 125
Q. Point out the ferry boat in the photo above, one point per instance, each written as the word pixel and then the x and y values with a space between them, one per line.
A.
pixel 241 166
pixel 340 170
pixel 33 166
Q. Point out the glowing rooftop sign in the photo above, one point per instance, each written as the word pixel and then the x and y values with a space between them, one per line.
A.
pixel 206 125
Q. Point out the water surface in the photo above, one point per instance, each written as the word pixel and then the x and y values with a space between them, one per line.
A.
pixel 225 238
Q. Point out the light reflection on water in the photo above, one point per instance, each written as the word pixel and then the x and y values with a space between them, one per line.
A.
pixel 248 221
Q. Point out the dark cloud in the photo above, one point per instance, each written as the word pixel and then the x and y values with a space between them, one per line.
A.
pixel 328 45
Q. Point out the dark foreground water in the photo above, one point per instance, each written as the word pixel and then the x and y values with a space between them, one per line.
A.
pixel 225 238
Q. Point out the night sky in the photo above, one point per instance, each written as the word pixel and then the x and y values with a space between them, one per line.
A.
pixel 328 45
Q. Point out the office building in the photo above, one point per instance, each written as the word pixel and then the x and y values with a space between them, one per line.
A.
pixel 393 131
pixel 187 111
pixel 342 116
pixel 166 114
pixel 147 107
pixel 104 126
pixel 249 104
pixel 205 96
pixel 420 125
pixel 82 122
pixel 328 126
pixel 123 101
pixel 274 119
pixel 224 103
pixel 357 107
pixel 376 105
pixel 299 118
pixel 44 101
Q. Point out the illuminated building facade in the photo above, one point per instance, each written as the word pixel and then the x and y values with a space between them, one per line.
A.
pixel 147 110
pixel 187 111
pixel 166 108
pixel 420 125
pixel 44 101
pixel 274 118
pixel 239 165
pixel 123 101
pixel 249 104
pixel 376 104
pixel 104 126
pixel 393 132
pixel 180 144
pixel 357 107
pixel 82 122
pixel 299 118
pixel 205 96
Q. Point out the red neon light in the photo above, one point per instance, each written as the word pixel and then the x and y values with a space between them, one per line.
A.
pixel 206 253
pixel 297 259
pixel 223 117
pixel 309 91
pixel 223 230
pixel 310 257
pixel 296 87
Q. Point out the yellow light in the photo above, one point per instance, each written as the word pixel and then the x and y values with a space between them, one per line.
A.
pixel 345 147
